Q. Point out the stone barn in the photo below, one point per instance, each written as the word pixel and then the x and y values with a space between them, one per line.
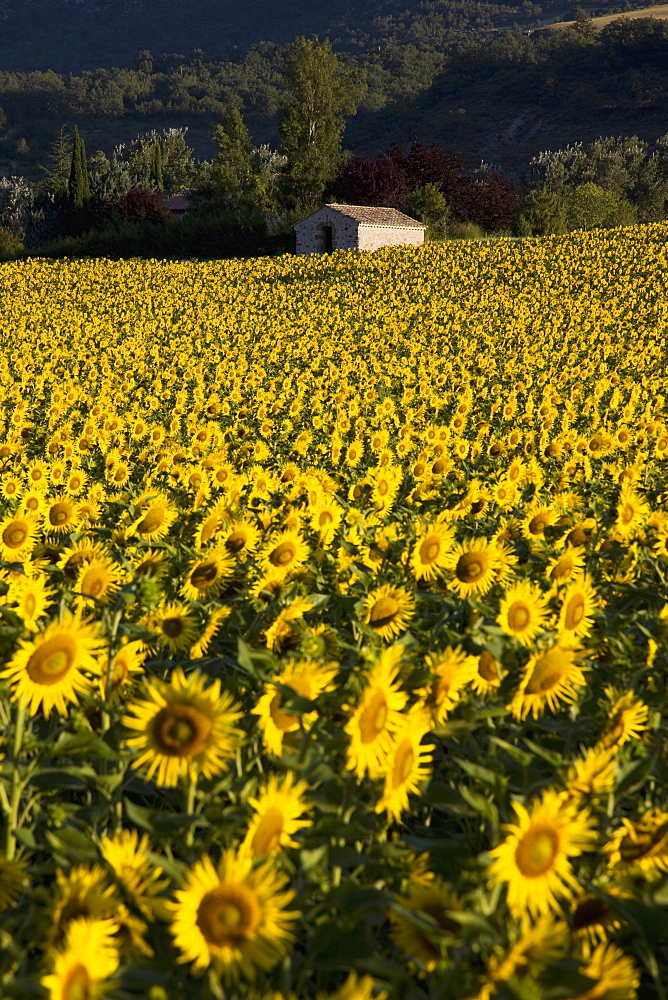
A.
pixel 356 227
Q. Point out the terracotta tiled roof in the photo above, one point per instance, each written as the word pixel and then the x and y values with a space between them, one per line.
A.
pixel 368 215
pixel 179 202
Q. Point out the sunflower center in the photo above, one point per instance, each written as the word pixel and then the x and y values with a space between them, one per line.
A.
pixel 180 730
pixel 59 514
pixel 577 536
pixel 268 833
pixel 471 566
pixel 438 913
pixel 429 550
pixel 487 667
pixel 562 569
pixel 51 661
pixel 151 521
pixel 589 912
pixel 15 534
pixel 280 719
pixel 547 673
pixel 77 984
pixel 536 851
pixel 519 616
pixel 324 518
pixel 93 583
pixel 235 542
pixel 383 612
pixel 172 627
pixel 538 524
pixel 229 915
pixel 29 605
pixel 628 513
pixel 575 610
pixel 283 554
pixel 403 763
pixel 203 576
pixel 209 528
pixel 373 717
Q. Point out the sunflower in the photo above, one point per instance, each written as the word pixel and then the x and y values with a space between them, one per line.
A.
pixel 488 676
pixel 388 610
pixel 308 679
pixel 81 892
pixel 640 845
pixel 33 503
pixel 533 860
pixel 432 545
pixel 538 517
pixel 283 553
pixel 424 940
pixel 632 513
pixel 128 664
pixel 523 612
pixel 38 475
pixel 565 566
pixel 83 966
pixel 49 670
pixel 156 518
pixel 408 764
pixel 535 947
pixel 591 917
pixel 11 486
pixel 377 717
pixel 617 978
pixel 61 515
pixel 13 881
pixel 278 808
pixel 183 728
pixel 98 582
pixel 233 916
pixel 174 626
pixel 206 577
pixel 151 564
pixel 473 564
pixel 200 648
pixel 325 518
pixel 452 669
pixel 385 485
pixel 627 718
pixel 17 537
pixel 31 597
pixel 578 604
pixel 76 482
pixel 592 777
pixel 550 677
pixel 284 631
pixel 126 853
pixel 355 988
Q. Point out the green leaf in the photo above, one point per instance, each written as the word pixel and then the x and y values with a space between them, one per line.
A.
pixel 83 744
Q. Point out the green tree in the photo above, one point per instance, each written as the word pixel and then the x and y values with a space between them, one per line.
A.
pixel 589 206
pixel 78 188
pixel 545 212
pixel 234 179
pixel 428 204
pixel 60 162
pixel 156 175
pixel 320 92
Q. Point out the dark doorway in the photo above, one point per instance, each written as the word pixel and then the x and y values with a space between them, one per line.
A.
pixel 327 239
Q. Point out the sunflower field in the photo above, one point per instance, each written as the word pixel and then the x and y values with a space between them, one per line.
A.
pixel 334 624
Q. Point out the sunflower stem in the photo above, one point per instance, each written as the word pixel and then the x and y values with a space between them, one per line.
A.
pixel 17 786
pixel 111 659
pixel 190 810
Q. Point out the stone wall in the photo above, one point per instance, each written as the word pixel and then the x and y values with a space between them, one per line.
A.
pixel 374 237
pixel 310 232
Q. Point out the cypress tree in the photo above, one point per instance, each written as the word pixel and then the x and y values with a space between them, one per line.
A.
pixel 78 188
pixel 157 180
pixel 234 179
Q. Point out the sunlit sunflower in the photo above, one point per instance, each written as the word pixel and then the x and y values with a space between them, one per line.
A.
pixel 325 518
pixel 233 916
pixel 98 582
pixel 578 605
pixel 13 881
pixel 206 577
pixel 308 679
pixel 33 503
pixel 184 728
pixel 488 676
pixel 156 518
pixel 592 918
pixel 426 941
pixel 355 988
pixel 640 845
pixel 617 978
pixel 150 564
pixel 592 777
pixel 535 948
pixel 30 596
pixel 174 626
pixel 278 809
pixel 17 537
pixel 84 965
pixel 126 853
pixel 627 718
pixel 533 861
pixel 408 764
pixel 128 665
pixel 240 537
pixel 75 482
pixel 50 669
pixel 565 566
pixel 213 626
pixel 550 678
pixel 473 564
pixel 38 475
pixel 285 629
pixel 432 545
pixel 452 670
pixel 377 717
pixel 632 513
pixel 284 552
pixel 523 612
pixel 538 517
pixel 61 515
pixel 388 610
pixel 81 892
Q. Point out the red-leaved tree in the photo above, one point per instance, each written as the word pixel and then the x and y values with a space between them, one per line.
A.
pixel 371 182
pixel 140 203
